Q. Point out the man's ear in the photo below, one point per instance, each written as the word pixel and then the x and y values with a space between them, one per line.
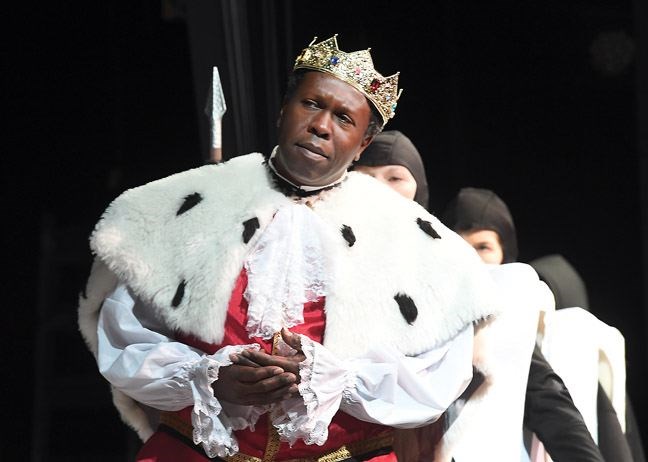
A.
pixel 279 117
pixel 365 142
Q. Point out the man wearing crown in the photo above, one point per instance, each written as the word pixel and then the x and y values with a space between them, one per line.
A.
pixel 278 307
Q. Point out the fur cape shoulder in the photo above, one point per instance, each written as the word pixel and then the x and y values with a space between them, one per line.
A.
pixel 400 277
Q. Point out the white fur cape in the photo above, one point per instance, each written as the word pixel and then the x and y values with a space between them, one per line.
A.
pixel 143 240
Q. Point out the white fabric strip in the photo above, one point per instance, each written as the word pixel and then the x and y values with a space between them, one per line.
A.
pixel 286 269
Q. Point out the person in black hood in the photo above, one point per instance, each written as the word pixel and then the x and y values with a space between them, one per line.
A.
pixel 564 281
pixel 552 415
pixel 484 220
pixel 394 160
pixel 570 290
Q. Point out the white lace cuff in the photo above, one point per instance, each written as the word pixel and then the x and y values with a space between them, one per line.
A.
pixel 323 381
pixel 212 428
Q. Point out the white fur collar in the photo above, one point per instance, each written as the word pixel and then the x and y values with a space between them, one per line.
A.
pixel 180 241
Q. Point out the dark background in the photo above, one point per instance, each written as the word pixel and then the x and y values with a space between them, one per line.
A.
pixel 543 102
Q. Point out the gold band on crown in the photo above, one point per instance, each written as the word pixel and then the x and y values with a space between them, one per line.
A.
pixel 354 68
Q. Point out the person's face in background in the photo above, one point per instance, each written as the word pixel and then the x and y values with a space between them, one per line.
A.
pixel 397 177
pixel 487 244
pixel 322 129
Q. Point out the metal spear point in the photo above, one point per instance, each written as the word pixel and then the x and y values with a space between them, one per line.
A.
pixel 214 110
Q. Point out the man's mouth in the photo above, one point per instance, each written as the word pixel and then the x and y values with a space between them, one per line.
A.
pixel 312 150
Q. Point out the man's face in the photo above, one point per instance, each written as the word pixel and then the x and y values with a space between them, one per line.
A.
pixel 397 177
pixel 322 129
pixel 487 244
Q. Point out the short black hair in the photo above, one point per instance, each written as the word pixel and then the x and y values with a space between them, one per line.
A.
pixel 294 79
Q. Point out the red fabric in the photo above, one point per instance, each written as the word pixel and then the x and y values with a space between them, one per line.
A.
pixel 162 447
pixel 236 320
pixel 343 429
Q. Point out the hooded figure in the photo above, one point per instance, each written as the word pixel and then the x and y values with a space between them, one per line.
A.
pixel 550 412
pixel 564 281
pixel 601 404
pixel 570 291
pixel 391 147
pixel 463 433
pixel 482 209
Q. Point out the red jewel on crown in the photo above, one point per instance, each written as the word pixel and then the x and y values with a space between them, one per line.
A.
pixel 374 85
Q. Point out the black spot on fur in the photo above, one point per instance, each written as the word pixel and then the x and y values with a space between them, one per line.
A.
pixel 347 234
pixel 190 202
pixel 427 228
pixel 249 228
pixel 454 410
pixel 177 298
pixel 407 307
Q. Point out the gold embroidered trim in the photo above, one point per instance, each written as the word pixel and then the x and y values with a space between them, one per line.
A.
pixel 273 443
pixel 345 452
pixel 242 458
pixel 275 341
pixel 173 420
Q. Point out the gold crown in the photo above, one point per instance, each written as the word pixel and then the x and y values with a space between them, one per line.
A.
pixel 356 69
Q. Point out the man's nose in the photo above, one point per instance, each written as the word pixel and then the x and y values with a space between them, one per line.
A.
pixel 320 125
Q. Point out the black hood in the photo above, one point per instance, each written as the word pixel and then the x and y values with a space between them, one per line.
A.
pixel 475 208
pixel 564 281
pixel 391 147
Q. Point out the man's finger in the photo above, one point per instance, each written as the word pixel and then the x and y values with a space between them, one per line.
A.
pixel 274 396
pixel 265 359
pixel 293 341
pixel 243 361
pixel 271 384
pixel 254 374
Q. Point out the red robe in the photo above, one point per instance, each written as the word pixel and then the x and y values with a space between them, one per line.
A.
pixel 348 436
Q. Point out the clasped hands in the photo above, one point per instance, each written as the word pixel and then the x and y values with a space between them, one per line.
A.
pixel 258 378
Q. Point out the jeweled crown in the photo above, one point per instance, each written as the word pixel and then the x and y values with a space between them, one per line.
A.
pixel 354 68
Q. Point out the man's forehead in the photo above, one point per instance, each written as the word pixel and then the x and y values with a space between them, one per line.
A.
pixel 322 84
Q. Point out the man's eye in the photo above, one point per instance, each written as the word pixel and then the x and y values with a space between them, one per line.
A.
pixel 394 178
pixel 345 118
pixel 309 103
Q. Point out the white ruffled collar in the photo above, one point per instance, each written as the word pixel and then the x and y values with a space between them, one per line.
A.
pixel 286 269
